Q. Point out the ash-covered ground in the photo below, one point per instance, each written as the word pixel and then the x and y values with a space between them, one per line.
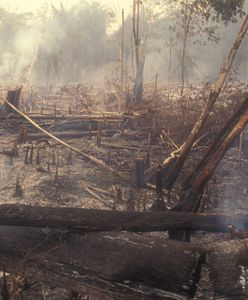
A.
pixel 58 177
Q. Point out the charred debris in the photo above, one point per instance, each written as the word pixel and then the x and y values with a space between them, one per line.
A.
pixel 122 203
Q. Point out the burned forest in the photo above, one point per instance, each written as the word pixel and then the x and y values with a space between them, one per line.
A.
pixel 124 150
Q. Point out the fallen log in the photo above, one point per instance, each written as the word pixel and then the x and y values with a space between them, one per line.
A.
pixel 87 220
pixel 227 262
pixel 124 266
pixel 71 134
pixel 86 156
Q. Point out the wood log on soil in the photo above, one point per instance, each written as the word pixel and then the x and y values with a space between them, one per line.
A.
pixel 106 265
pixel 122 265
pixel 71 134
pixel 100 163
pixel 89 220
pixel 227 262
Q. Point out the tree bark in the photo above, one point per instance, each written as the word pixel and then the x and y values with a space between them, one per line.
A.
pixel 214 94
pixel 96 161
pixel 71 134
pixel 89 220
pixel 207 171
pixel 190 179
pixel 139 57
pixel 186 34
pixel 123 265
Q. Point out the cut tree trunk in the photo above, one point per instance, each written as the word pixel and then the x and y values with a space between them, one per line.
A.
pixel 227 262
pixel 122 265
pixel 13 97
pixel 89 220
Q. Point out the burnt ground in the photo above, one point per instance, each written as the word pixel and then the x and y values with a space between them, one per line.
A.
pixel 79 183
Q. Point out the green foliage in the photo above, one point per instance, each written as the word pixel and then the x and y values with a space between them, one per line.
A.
pixel 228 10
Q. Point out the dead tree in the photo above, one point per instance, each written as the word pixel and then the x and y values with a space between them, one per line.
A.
pixel 139 56
pixel 89 220
pixel 191 199
pixel 214 94
pixel 121 265
pixel 190 179
pixel 128 266
pixel 194 185
pixel 13 97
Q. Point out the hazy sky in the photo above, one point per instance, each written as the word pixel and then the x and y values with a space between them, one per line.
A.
pixel 33 5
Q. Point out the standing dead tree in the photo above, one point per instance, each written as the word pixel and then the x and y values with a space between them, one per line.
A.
pixel 187 20
pixel 139 55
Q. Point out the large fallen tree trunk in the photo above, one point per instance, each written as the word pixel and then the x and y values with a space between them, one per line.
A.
pixel 227 265
pixel 126 266
pixel 87 220
pixel 121 265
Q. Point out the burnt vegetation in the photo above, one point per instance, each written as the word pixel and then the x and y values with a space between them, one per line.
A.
pixel 124 151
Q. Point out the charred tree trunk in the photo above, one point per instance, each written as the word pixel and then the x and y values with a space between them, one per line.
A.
pixel 126 266
pixel 89 220
pixel 190 179
pixel 121 266
pixel 139 56
pixel 214 94
pixel 13 97
pixel 190 202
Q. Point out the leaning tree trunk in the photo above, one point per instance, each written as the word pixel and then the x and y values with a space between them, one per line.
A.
pixel 191 198
pixel 214 94
pixel 192 195
pixel 191 178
